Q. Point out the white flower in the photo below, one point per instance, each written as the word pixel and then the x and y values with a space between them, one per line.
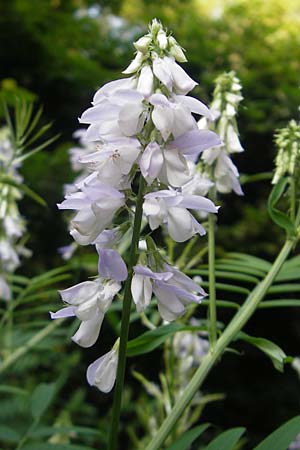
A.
pixel 113 162
pixel 145 81
pixel 162 39
pixel 173 290
pixel 135 63
pixel 102 372
pixel 173 116
pixel 5 292
pixel 116 113
pixel 142 44
pixel 176 50
pixel 199 184
pixel 88 301
pixel 172 75
pixel 96 204
pixel 171 208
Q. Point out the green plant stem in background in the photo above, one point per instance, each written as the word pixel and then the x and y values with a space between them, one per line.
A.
pixel 113 435
pixel 235 325
pixel 29 345
pixel 292 199
pixel 212 309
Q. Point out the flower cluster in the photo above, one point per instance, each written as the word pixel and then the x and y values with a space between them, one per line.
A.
pixel 12 224
pixel 139 126
pixel 287 161
pixel 226 98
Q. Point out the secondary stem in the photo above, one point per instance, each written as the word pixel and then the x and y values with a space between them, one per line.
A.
pixel 113 435
pixel 236 324
pixel 212 310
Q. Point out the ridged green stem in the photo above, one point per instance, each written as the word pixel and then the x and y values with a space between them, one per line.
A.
pixel 113 435
pixel 212 309
pixel 235 325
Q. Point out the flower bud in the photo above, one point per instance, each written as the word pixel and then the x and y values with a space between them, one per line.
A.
pixel 135 64
pixel 162 39
pixel 102 372
pixel 288 157
pixel 142 44
pixel 155 27
pixel 176 50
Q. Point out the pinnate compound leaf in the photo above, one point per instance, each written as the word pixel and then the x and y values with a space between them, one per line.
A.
pixel 152 339
pixel 273 351
pixel 281 438
pixel 279 217
pixel 227 440
pixel 187 438
pixel 41 399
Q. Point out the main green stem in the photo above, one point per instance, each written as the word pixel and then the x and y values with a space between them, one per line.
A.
pixel 236 324
pixel 212 310
pixel 113 435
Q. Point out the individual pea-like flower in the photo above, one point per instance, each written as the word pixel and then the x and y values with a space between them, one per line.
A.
pixel 102 372
pixel 88 301
pixel 111 263
pixel 117 115
pixel 113 161
pixel 173 115
pixel 170 164
pixel 96 205
pixel 171 207
pixel 173 290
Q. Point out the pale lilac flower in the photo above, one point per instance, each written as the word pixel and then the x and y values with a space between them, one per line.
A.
pixel 199 184
pixel 111 263
pixel 96 204
pixel 117 115
pixel 173 116
pixel 224 108
pixel 145 81
pixel 102 372
pixel 113 161
pixel 226 173
pixel 173 290
pixel 172 75
pixel 5 292
pixel 169 164
pixel 171 208
pixel 67 251
pixel 88 301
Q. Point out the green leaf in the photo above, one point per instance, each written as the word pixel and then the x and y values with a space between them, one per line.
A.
pixel 50 431
pixel 42 445
pixel 152 339
pixel 187 438
pixel 36 197
pixel 227 440
pixel 281 438
pixel 273 351
pixel 41 399
pixel 279 217
pixel 287 303
pixel 8 434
